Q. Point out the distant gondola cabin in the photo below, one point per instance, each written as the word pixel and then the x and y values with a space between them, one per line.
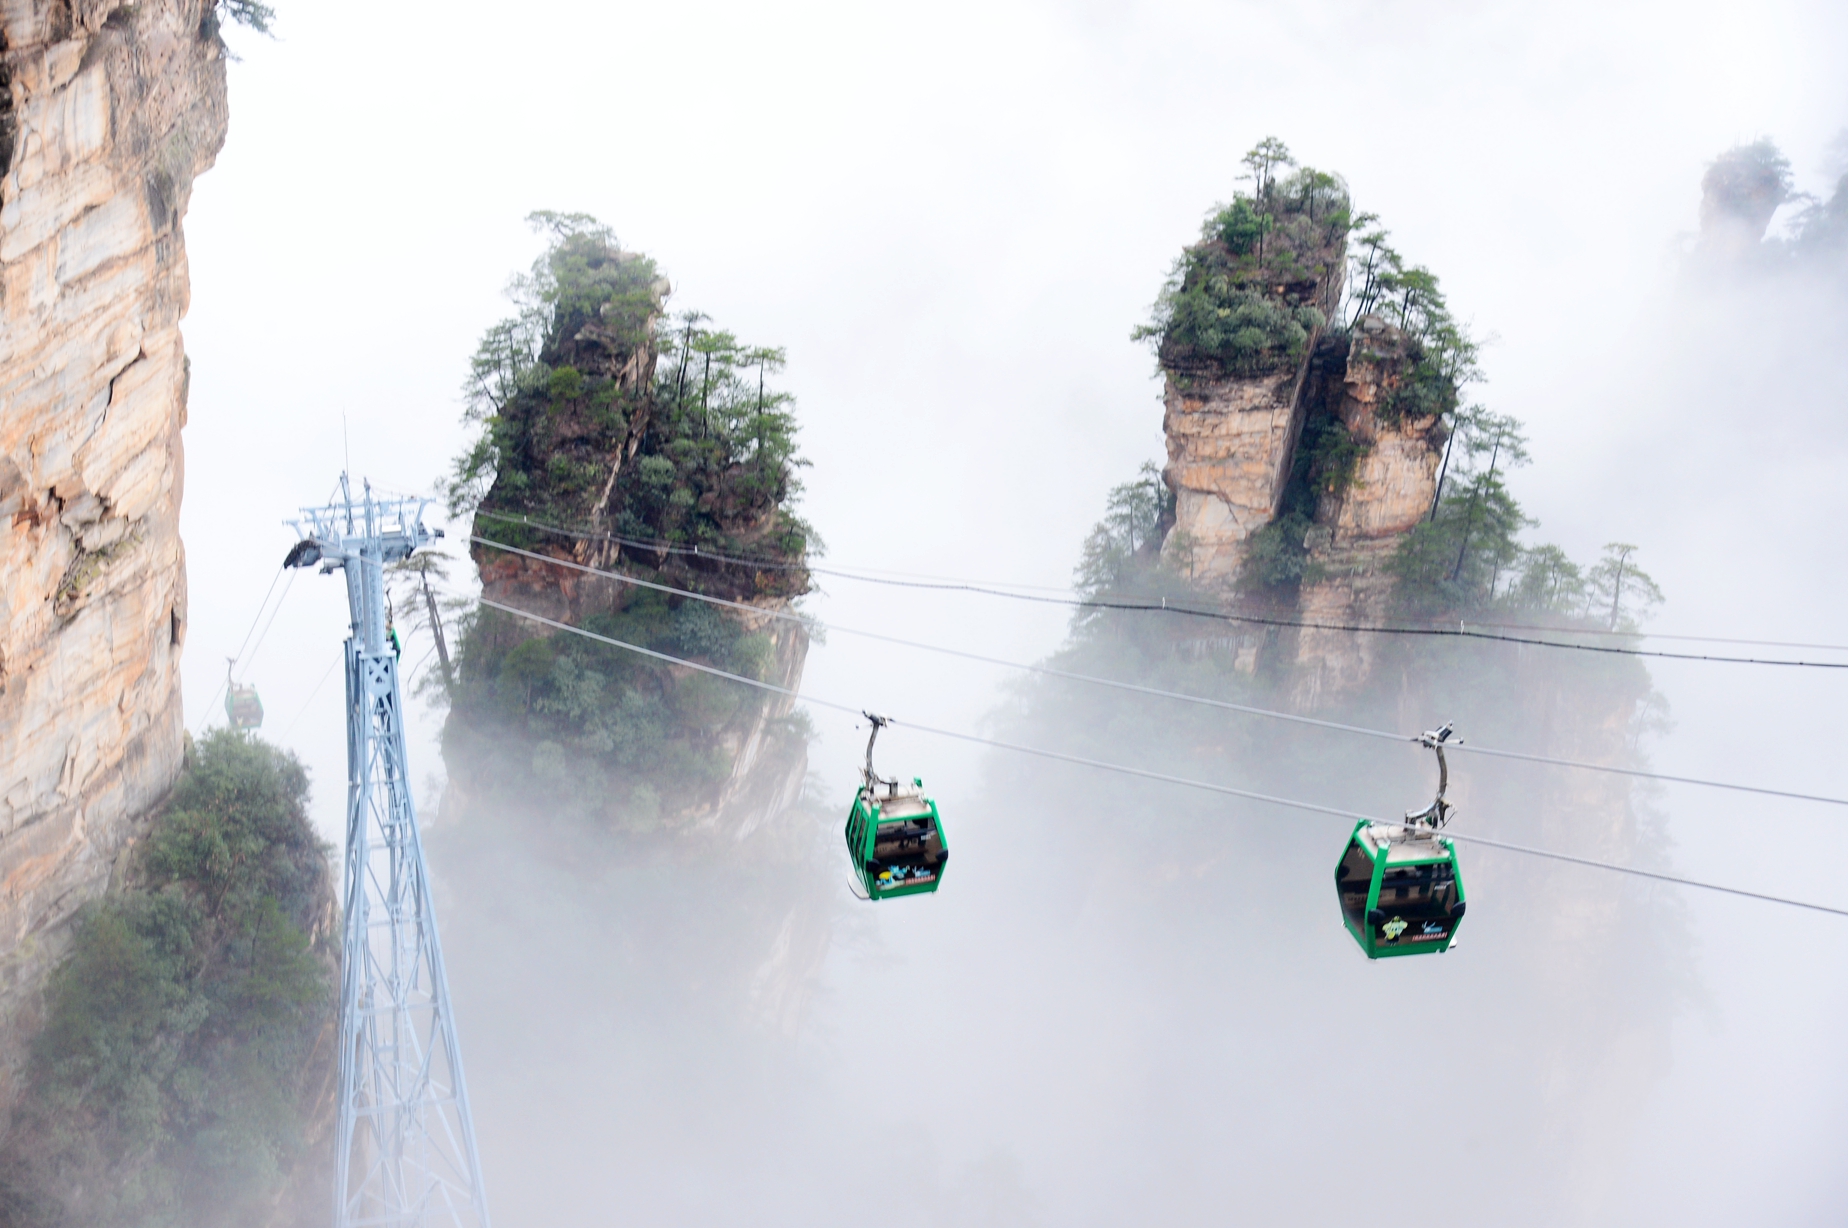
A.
pixel 1401 891
pixel 895 840
pixel 242 707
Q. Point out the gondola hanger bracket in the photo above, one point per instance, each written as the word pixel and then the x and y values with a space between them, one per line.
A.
pixel 1424 824
pixel 874 779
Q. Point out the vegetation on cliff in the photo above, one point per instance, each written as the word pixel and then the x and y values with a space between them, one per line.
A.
pixel 1239 305
pixel 1396 319
pixel 661 447
pixel 1494 692
pixel 599 732
pixel 1442 358
pixel 253 13
pixel 1467 557
pixel 1122 558
pixel 186 1042
pixel 582 425
pixel 1246 298
pixel 1743 189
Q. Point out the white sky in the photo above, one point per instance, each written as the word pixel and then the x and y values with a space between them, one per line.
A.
pixel 952 215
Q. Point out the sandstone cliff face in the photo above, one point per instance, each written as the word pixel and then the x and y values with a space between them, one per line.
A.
pixel 1230 444
pixel 106 115
pixel 1232 435
pixel 1233 464
pixel 1359 526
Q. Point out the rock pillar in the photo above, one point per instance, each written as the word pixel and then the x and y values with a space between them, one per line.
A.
pixel 106 115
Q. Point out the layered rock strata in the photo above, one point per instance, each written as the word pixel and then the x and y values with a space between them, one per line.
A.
pixel 106 115
pixel 1230 444
pixel 1359 525
pixel 1232 436
pixel 1233 462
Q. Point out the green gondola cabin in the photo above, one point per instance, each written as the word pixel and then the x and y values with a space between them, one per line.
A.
pixel 895 840
pixel 1401 891
pixel 243 710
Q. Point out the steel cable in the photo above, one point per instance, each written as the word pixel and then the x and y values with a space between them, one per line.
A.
pixel 999 589
pixel 1147 774
pixel 1183 697
pixel 261 606
pixel 303 711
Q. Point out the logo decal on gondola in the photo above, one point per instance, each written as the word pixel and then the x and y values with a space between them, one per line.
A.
pixel 896 876
pixel 1393 928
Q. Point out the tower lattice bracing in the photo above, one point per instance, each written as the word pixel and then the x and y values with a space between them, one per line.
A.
pixel 406 1142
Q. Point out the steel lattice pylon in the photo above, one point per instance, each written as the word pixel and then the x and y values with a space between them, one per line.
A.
pixel 406 1143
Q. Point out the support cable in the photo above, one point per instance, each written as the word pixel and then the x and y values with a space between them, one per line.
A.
pixel 1136 688
pixel 995 589
pixel 331 666
pixel 763 564
pixel 264 634
pixel 1164 777
pixel 261 606
pixel 1460 631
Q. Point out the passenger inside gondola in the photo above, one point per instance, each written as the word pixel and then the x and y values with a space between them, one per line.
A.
pixel 906 850
pixel 1416 903
pixel 1353 879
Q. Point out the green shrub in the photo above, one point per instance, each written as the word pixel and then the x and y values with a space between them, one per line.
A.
pixel 598 411
pixel 1276 556
pixel 1241 301
pixel 1332 454
pixel 167 1086
pixel 1239 226
pixel 1426 391
pixel 1242 331
pixel 615 719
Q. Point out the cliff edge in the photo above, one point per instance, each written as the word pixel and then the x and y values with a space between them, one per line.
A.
pixel 106 116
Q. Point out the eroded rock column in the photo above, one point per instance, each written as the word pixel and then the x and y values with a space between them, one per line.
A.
pixel 1230 443
pixel 109 114
pixel 1359 527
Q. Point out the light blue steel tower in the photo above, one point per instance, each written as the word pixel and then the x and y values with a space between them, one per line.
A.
pixel 405 1138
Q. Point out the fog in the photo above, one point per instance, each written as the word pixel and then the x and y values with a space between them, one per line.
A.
pixel 1128 1001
